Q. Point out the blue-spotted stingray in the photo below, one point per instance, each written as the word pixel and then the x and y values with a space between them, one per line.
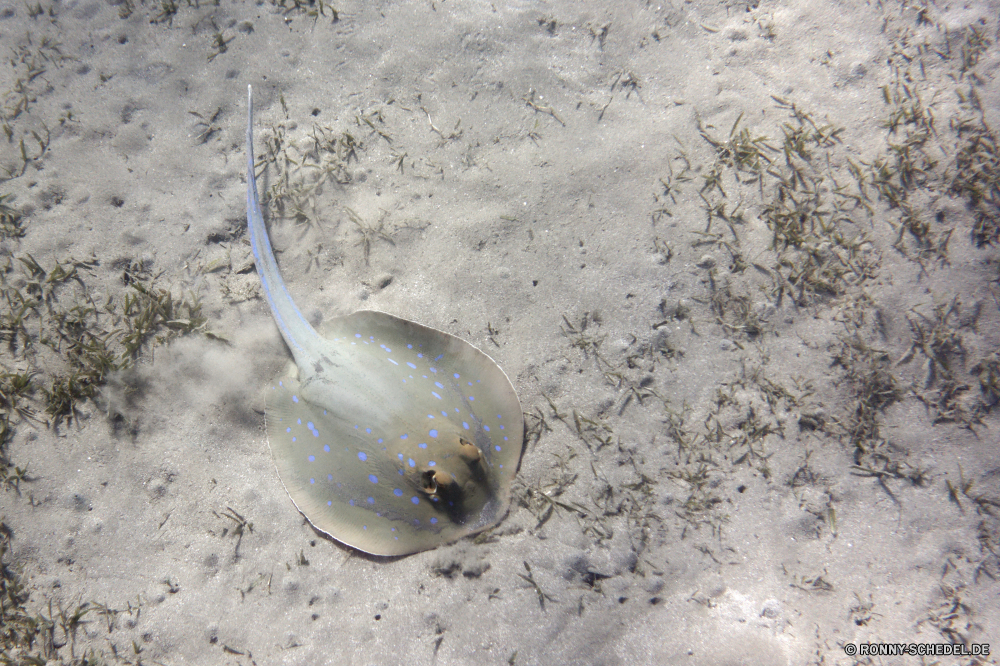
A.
pixel 391 437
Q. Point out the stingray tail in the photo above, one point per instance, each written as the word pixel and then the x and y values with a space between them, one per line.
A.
pixel 293 326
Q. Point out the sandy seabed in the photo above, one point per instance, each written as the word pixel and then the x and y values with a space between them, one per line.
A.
pixel 739 260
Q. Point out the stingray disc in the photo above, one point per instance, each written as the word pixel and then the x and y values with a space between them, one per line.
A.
pixel 402 439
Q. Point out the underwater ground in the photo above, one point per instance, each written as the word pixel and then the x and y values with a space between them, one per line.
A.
pixel 738 259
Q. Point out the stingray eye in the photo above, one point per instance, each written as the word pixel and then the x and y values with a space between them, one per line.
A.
pixel 437 482
pixel 468 451
pixel 443 479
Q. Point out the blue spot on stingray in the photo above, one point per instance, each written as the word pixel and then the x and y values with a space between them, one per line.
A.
pixel 397 492
pixel 444 414
pixel 393 362
pixel 351 502
pixel 431 463
pixel 415 500
pixel 299 421
pixel 411 365
pixel 439 385
pixel 430 416
pixel 434 521
pixel 412 462
pixel 312 458
pixel 433 433
pixel 501 427
pixel 465 425
pixel 329 477
pixel 326 447
pixel 288 429
pixel 416 522
pixel 293 440
pixel 371 500
pixel 422 445
pixel 363 456
pixel 486 428
pixel 310 425
pixel 456 375
pixel 505 439
pixel 373 478
pixel 312 480
pixel 295 398
pixel 357 335
pixel 435 395
pixel 329 503
pixel 420 355
pixel 404 436
pixel 399 455
pixel 401 472
pixel 471 399
pixel 379 440
pixel 498 447
pixel 434 370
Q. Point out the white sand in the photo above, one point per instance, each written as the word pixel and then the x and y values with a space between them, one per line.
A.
pixel 511 215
